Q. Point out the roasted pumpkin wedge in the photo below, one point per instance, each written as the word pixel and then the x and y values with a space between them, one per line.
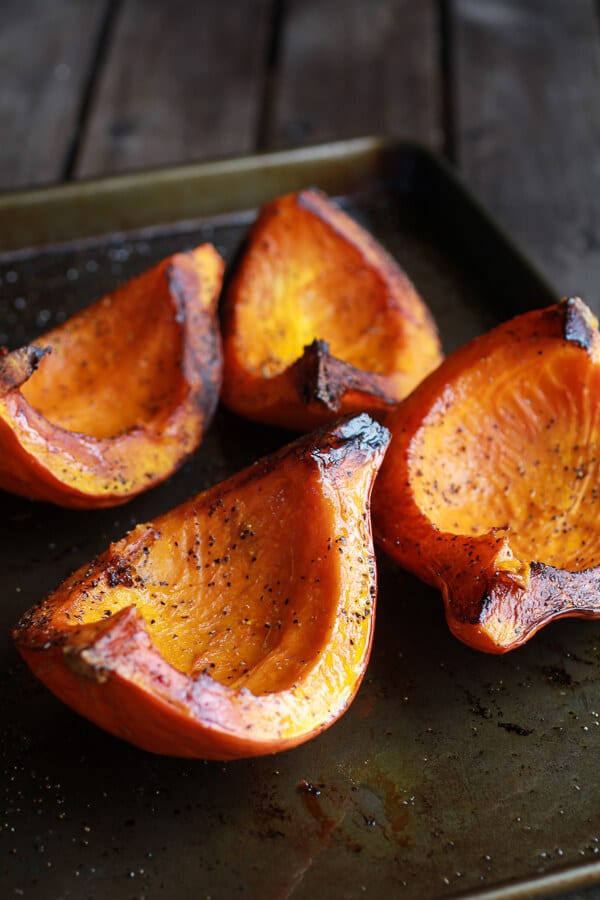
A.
pixel 490 488
pixel 111 402
pixel 237 624
pixel 319 320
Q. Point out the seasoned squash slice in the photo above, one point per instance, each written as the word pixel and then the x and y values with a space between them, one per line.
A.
pixel 111 402
pixel 319 320
pixel 490 489
pixel 237 624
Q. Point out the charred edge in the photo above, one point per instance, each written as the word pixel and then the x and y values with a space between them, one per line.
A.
pixel 578 326
pixel 17 367
pixel 359 432
pixel 354 434
pixel 477 611
pixel 316 203
pixel 203 367
pixel 312 199
pixel 368 433
pixel 35 619
pixel 34 630
pixel 81 663
pixel 324 379
pixel 36 354
pixel 315 384
pixel 119 573
pixel 203 353
pixel 580 588
pixel 328 389
pixel 183 283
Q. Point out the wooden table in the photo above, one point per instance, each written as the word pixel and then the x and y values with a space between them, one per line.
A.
pixel 509 90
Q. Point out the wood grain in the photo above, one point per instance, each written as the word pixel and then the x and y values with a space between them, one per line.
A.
pixel 527 137
pixel 348 67
pixel 183 80
pixel 46 50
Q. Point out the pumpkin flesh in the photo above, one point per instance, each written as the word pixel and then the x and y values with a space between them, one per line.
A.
pixel 112 401
pixel 239 623
pixel 490 489
pixel 320 320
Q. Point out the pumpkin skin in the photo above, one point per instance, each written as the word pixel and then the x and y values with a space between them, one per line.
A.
pixel 115 399
pixel 319 320
pixel 489 491
pixel 240 623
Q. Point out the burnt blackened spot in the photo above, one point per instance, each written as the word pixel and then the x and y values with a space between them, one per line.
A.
pixel 324 379
pixel 18 366
pixel 83 664
pixel 579 323
pixel 183 285
pixel 314 382
pixel 515 729
pixel 32 629
pixel 119 573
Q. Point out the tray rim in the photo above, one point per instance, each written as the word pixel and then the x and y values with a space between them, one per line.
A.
pixel 86 209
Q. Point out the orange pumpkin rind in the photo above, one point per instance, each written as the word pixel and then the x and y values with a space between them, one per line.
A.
pixel 239 623
pixel 111 402
pixel 489 490
pixel 316 299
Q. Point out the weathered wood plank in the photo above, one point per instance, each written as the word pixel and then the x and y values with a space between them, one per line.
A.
pixel 183 80
pixel 348 67
pixel 46 49
pixel 527 139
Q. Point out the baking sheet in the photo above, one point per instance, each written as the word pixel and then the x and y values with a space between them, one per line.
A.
pixel 453 773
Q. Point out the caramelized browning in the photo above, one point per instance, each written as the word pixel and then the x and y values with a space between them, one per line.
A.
pixel 217 596
pixel 112 366
pixel 112 401
pixel 523 453
pixel 492 479
pixel 309 274
pixel 238 623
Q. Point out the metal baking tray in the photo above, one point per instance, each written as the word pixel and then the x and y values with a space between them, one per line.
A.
pixel 454 773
